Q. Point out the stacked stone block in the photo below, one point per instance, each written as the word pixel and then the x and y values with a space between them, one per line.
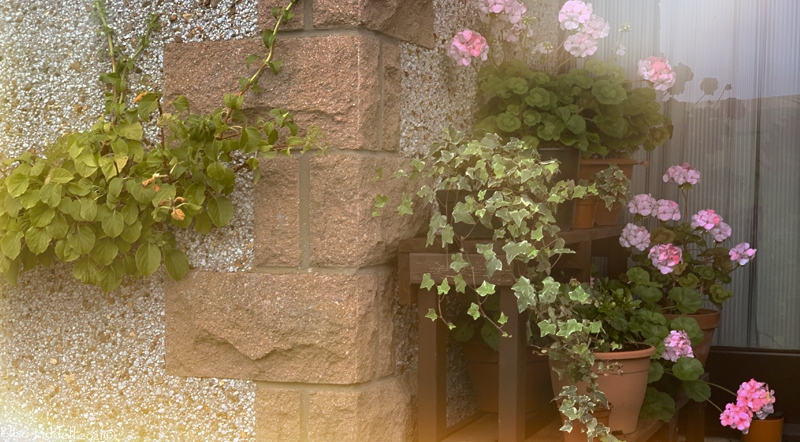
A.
pixel 312 321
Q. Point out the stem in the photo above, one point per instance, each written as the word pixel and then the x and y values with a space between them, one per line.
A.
pixel 101 13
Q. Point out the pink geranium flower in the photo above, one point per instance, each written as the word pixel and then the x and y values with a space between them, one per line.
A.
pixel 756 396
pixel 596 27
pixel 573 14
pixel 677 345
pixel 720 232
pixel 707 219
pixel 580 45
pixel 466 45
pixel 682 174
pixel 658 71
pixel 635 236
pixel 667 210
pixel 665 257
pixel 642 204
pixel 736 416
pixel 742 253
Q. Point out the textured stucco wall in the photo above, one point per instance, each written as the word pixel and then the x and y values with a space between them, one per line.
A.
pixel 76 361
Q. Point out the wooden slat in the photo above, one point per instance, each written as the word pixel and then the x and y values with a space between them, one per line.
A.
pixel 404 279
pixel 511 367
pixel 432 371
pixel 482 430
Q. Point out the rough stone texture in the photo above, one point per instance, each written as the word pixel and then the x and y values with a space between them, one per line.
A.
pixel 392 96
pixel 265 18
pixel 380 412
pixel 276 209
pixel 331 81
pixel 277 414
pixel 343 230
pixel 407 20
pixel 309 327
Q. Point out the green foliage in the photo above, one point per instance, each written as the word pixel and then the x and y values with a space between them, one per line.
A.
pixel 612 186
pixel 593 109
pixel 107 199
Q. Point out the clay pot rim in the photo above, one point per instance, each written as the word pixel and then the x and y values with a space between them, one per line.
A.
pixel 629 354
pixel 603 161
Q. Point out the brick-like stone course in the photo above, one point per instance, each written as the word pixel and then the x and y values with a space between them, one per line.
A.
pixel 277 414
pixel 381 412
pixel 276 210
pixel 331 81
pixel 406 20
pixel 343 230
pixel 306 327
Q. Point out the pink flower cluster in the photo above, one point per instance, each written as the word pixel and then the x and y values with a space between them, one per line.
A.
pixel 665 257
pixel 742 253
pixel 576 15
pixel 677 345
pixel 682 174
pixel 720 232
pixel 752 398
pixel 635 236
pixel 707 219
pixel 666 210
pixel 508 15
pixel 642 204
pixel 658 71
pixel 466 45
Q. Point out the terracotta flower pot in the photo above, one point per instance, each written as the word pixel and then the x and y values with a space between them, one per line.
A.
pixel 578 433
pixel 483 370
pixel 584 213
pixel 605 217
pixel 767 430
pixel 708 320
pixel 624 382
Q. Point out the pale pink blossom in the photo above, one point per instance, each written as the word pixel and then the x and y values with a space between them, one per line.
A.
pixel 665 257
pixel 742 253
pixel 642 204
pixel 706 219
pixel 677 345
pixel 621 50
pixel 580 45
pixel 466 45
pixel 658 71
pixel 667 210
pixel 635 236
pixel 513 10
pixel 737 417
pixel 720 232
pixel 682 174
pixel 596 27
pixel 487 7
pixel 757 397
pixel 543 48
pixel 574 13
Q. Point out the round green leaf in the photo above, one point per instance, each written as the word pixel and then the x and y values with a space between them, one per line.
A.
pixel 148 259
pixel 220 210
pixel 82 240
pixel 37 240
pixel 698 391
pixel 132 232
pixel 177 264
pixel 17 184
pixel 11 244
pixel 105 251
pixel 113 224
pixel 688 369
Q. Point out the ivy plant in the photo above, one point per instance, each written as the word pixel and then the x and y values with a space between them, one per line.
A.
pixel 109 198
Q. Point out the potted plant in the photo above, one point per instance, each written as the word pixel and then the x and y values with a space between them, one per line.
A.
pixel 677 266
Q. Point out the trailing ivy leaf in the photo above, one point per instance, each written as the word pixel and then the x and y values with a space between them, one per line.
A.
pixel 485 289
pixel 427 281
pixel 443 288
pixel 431 315
pixel 113 224
pixel 474 311
pixel 457 262
pixel 447 235
pixel 177 264
pixel 698 390
pixel 526 296
pixel 687 369
pixel 461 285
pixel 148 259
pixel 220 210
pixel 547 328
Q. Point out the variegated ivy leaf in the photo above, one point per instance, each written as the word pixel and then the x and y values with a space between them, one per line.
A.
pixel 550 288
pixel 427 281
pixel 461 285
pixel 431 315
pixel 546 328
pixel 474 311
pixel 443 288
pixel 524 291
pixel 502 319
pixel 485 289
pixel 457 262
pixel 566 329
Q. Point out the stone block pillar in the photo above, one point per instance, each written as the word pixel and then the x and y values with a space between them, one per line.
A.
pixel 312 321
